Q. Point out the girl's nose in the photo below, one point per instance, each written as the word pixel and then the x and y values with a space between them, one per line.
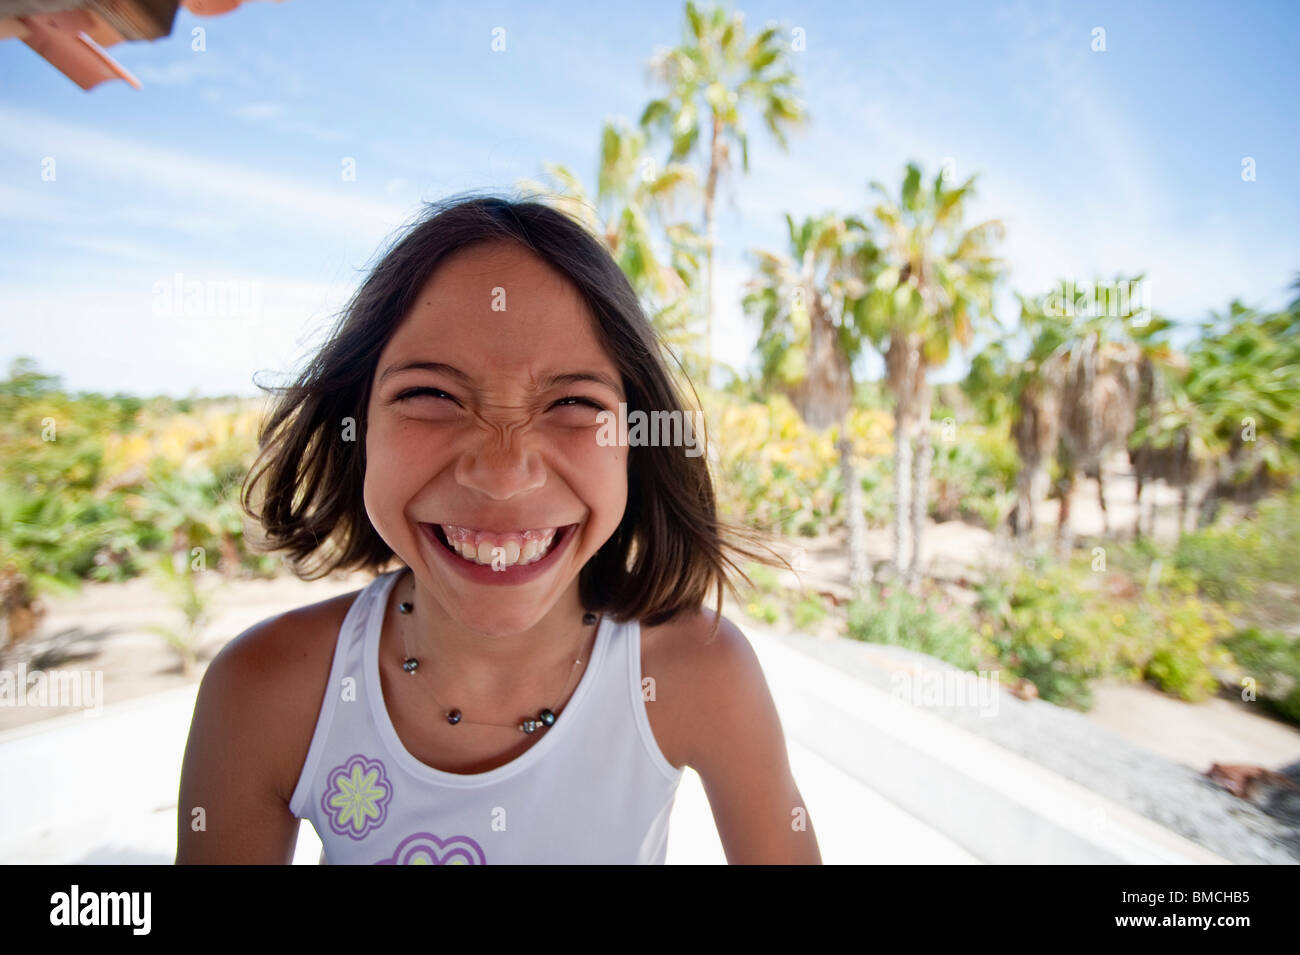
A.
pixel 501 466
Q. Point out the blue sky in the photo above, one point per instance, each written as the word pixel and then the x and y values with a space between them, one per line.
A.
pixel 226 167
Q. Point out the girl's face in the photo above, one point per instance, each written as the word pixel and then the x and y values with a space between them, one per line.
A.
pixel 482 432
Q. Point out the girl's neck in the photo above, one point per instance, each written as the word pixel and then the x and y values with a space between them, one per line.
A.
pixel 475 665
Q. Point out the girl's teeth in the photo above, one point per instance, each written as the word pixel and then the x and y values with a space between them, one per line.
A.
pixel 530 551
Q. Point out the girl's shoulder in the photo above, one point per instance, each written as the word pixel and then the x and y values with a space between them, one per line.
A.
pixel 689 636
pixel 286 641
pixel 692 670
pixel 275 674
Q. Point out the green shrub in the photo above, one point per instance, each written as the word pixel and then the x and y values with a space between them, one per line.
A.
pixel 1272 659
pixel 809 611
pixel 1234 562
pixel 94 486
pixel 764 610
pixel 973 474
pixel 1065 626
pixel 1187 652
pixel 1042 627
pixel 765 578
pixel 895 617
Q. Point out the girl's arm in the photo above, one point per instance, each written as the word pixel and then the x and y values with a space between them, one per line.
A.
pixel 232 807
pixel 738 748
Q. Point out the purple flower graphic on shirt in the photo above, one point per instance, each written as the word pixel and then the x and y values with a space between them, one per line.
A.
pixel 424 848
pixel 357 797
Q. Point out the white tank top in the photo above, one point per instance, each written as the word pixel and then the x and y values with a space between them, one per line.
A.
pixel 594 789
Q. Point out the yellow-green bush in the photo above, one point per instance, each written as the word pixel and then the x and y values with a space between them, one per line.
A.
pixel 1044 626
pixel 926 624
pixel 1065 625
pixel 809 611
pixel 776 473
pixel 1186 651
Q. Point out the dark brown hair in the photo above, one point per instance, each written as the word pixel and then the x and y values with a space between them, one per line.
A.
pixel 305 489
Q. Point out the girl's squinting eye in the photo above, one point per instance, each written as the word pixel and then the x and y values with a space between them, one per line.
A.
pixel 417 392
pixel 436 393
pixel 586 401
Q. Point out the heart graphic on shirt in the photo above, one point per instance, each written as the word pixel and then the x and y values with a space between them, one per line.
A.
pixel 424 848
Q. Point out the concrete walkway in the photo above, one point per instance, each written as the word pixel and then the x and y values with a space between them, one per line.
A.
pixel 884 782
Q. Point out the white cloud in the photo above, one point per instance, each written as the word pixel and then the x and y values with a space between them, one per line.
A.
pixel 259 111
pixel 278 117
pixel 114 246
pixel 182 72
pixel 40 203
pixel 193 180
pixel 129 334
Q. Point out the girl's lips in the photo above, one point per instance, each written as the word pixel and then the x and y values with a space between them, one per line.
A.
pixel 485 574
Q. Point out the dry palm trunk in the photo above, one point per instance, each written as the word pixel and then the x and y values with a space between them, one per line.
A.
pixel 920 480
pixel 1036 432
pixel 20 611
pixel 1150 393
pixel 1240 476
pixel 859 563
pixel 1098 411
pixel 1065 489
pixel 1176 466
pixel 717 154
pixel 902 488
pixel 825 394
pixel 825 397
pixel 902 361
pixel 1175 463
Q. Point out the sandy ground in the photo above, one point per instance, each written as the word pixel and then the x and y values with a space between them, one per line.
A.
pixel 100 629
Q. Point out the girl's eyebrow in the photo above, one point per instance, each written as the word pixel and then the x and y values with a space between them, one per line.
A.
pixel 450 370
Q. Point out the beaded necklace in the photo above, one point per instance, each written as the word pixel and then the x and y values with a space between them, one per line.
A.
pixel 545 717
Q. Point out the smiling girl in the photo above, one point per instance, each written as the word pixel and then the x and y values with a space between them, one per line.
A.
pixel 529 682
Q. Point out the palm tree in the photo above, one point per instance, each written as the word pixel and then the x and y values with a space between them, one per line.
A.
pixel 1098 409
pixel 1223 415
pixel 1077 394
pixel 715 71
pixel 806 345
pixel 1165 444
pixel 989 381
pixel 1035 390
pixel 936 285
pixel 631 194
pixel 1244 382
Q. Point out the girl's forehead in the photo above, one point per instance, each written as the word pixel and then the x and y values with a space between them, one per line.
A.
pixel 487 267
pixel 525 327
pixel 499 303
pixel 485 290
